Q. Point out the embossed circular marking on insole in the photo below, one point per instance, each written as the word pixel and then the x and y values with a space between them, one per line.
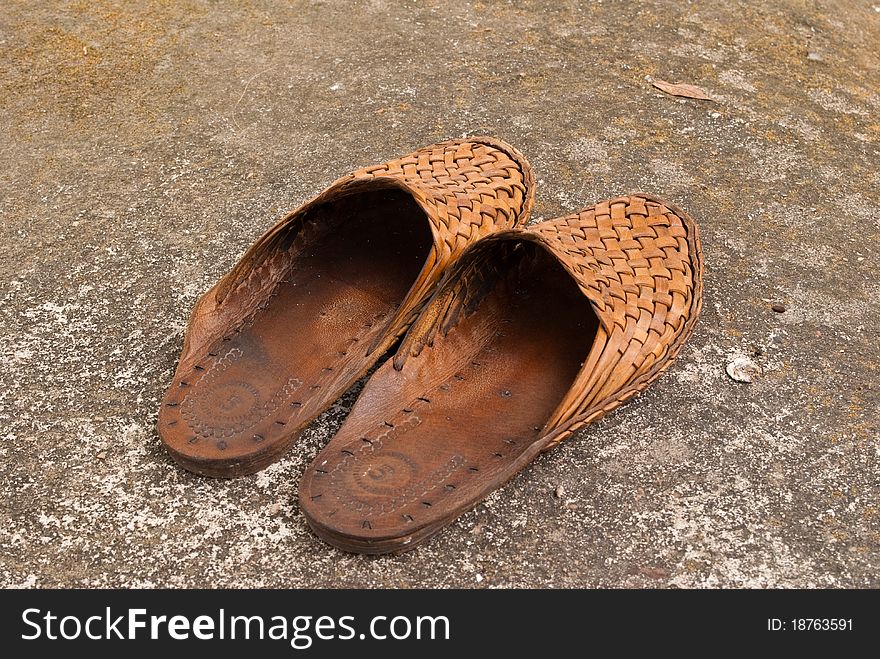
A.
pixel 375 480
pixel 348 486
pixel 222 408
pixel 385 473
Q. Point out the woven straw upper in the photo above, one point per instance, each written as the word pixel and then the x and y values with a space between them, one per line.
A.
pixel 468 190
pixel 639 262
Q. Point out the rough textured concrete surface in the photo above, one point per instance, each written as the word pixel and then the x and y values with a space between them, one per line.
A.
pixel 145 145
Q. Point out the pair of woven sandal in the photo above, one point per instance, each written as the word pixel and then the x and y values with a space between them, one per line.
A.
pixel 512 337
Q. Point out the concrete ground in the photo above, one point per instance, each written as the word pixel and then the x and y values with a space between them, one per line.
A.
pixel 145 145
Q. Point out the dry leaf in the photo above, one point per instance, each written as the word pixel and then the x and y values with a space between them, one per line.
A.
pixel 654 572
pixel 681 89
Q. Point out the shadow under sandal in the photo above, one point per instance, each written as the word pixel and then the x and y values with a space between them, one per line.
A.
pixel 322 295
pixel 532 335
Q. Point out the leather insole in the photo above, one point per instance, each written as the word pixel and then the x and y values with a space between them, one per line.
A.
pixel 428 442
pixel 248 398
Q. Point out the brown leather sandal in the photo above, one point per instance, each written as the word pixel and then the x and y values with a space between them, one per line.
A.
pixel 324 293
pixel 532 335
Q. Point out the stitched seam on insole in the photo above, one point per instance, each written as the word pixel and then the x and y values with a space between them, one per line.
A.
pixel 392 431
pixel 407 494
pixel 249 320
pixel 197 419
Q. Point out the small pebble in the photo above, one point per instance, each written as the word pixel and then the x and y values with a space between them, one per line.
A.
pixel 743 369
pixel 99 418
pixel 571 506
pixel 479 577
pixel 559 492
pixel 778 307
pixel 273 509
pixel 814 57
pixel 101 455
pixel 715 115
